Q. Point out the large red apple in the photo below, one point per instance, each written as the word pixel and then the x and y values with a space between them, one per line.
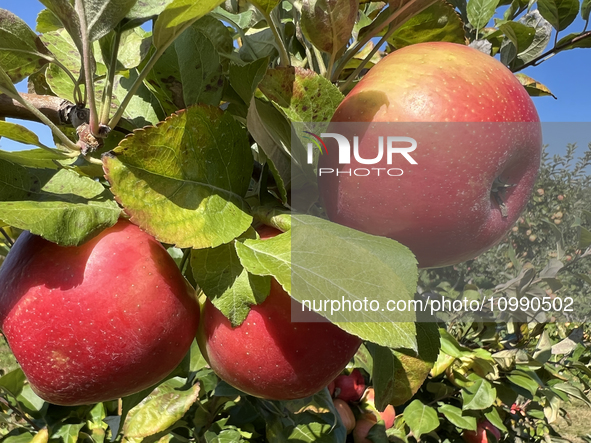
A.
pixel 96 322
pixel 477 131
pixel 268 356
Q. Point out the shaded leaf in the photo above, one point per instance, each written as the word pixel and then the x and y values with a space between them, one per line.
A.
pixel 221 276
pixel 68 433
pixel 560 13
pixel 245 78
pixel 22 53
pixel 183 180
pixel 65 12
pixel 456 417
pixel 103 15
pixel 439 22
pixel 573 41
pixel 328 23
pixel 200 68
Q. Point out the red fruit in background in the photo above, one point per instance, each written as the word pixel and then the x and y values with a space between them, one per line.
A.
pixel 350 387
pixel 362 428
pixel 330 388
pixel 268 356
pixel 346 414
pixel 443 207
pixel 480 435
pixel 388 415
pixel 99 321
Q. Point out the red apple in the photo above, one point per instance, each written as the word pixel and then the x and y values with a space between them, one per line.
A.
pixel 476 130
pixel 345 413
pixel 388 415
pixel 481 435
pixel 268 356
pixel 350 387
pixel 362 428
pixel 99 321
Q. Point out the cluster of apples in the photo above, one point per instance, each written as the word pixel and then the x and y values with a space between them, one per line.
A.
pixel 350 394
pixel 115 316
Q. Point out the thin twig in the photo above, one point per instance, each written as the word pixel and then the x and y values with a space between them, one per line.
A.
pixel 108 91
pixel 87 58
pixel 7 237
pixel 283 54
pixel 186 255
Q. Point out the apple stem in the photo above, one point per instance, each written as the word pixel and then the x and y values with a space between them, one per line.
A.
pixel 186 255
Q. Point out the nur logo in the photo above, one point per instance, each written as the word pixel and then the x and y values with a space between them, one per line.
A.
pixel 388 145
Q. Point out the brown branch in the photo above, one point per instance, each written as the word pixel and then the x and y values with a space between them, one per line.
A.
pixel 555 50
pixel 55 109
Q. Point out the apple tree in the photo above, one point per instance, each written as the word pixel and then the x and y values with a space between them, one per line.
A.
pixel 177 116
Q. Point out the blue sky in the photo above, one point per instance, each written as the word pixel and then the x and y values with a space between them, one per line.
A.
pixel 566 74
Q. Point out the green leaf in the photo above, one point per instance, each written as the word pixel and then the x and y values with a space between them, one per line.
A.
pixel 200 68
pixel 21 51
pixel 103 15
pixel 398 375
pixel 268 257
pixel 560 13
pixel 265 5
pixel 584 238
pixel 65 12
pixel 245 79
pixel 68 433
pixel 328 24
pixel 6 85
pixel 176 17
pixel 161 409
pixel 61 206
pixel 585 9
pixel 145 9
pixel 480 12
pixel 520 35
pixel 47 22
pixel 523 380
pixel 221 276
pixel 25 437
pixel 479 395
pixel 301 94
pixel 439 22
pixel 19 134
pixel 495 419
pixel 143 109
pixel 164 82
pixel 13 382
pixel 133 48
pixel 456 417
pixel 316 269
pixel 183 181
pixel 271 131
pixel 421 418
pixel 411 370
pixel 584 42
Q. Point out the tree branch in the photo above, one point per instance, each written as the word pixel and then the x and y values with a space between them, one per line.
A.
pixel 56 109
pixel 555 50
